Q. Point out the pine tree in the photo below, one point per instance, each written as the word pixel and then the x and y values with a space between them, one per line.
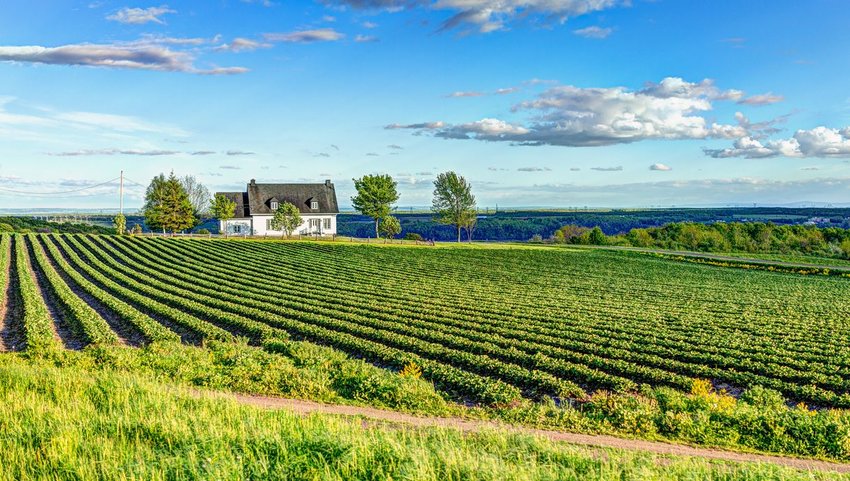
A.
pixel 167 205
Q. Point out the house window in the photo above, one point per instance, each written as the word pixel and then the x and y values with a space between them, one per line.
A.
pixel 274 205
pixel 314 223
pixel 269 224
pixel 326 223
pixel 314 205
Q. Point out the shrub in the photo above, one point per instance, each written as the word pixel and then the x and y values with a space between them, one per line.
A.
pixel 6 228
pixel 203 231
pixel 413 236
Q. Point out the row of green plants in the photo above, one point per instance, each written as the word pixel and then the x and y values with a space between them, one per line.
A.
pixel 85 320
pixel 37 322
pixel 758 420
pixel 191 301
pixel 779 377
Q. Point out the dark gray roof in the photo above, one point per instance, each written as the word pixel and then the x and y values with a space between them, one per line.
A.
pixel 257 199
pixel 241 201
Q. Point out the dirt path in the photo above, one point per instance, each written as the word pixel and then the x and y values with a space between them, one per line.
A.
pixel 308 407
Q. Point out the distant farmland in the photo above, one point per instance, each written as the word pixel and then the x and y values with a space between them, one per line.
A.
pixel 485 324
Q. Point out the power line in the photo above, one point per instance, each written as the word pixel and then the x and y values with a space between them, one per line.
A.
pixel 59 192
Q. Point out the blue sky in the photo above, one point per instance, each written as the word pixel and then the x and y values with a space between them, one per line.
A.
pixel 537 102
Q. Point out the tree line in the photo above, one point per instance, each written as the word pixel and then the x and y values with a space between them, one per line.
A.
pixel 175 204
pixel 744 237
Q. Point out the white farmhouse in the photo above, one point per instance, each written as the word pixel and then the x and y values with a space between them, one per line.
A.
pixel 256 206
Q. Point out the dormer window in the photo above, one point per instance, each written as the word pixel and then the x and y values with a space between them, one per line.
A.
pixel 314 205
pixel 274 205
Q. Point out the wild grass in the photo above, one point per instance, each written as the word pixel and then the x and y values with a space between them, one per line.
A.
pixel 64 423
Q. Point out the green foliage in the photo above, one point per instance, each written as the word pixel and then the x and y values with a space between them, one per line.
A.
pixel 4 227
pixel 453 202
pixel 66 423
pixel 137 229
pixel 223 209
pixel 202 232
pixel 120 224
pixel 286 219
pixel 596 237
pixel 413 236
pixel 167 205
pixel 390 227
pixel 375 197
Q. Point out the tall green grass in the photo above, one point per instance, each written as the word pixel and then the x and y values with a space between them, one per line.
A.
pixel 67 423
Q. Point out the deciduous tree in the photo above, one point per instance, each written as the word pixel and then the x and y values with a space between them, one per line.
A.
pixel 375 197
pixel 286 219
pixel 390 227
pixel 223 209
pixel 453 202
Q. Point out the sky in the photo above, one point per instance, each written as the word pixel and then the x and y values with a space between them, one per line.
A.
pixel 546 103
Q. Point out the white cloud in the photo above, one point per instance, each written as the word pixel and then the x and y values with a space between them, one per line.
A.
pixel 136 57
pixel 139 16
pixel 817 142
pixel 491 15
pixel 593 32
pixel 762 99
pixel 306 36
pixel 660 167
pixel 241 45
pixel 573 116
pixel 96 152
pixel 366 39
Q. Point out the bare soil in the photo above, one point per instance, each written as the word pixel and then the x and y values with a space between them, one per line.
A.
pixel 11 310
pixel 62 327
pixel 126 332
pixel 472 426
pixel 186 336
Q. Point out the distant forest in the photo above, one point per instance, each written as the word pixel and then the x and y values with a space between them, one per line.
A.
pixel 525 225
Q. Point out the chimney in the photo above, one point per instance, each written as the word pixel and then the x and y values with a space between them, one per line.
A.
pixel 253 181
pixel 328 183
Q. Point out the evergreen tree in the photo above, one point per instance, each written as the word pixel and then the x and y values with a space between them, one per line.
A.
pixel 167 205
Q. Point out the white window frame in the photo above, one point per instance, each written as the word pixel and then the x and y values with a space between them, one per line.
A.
pixel 314 205
pixel 275 205
pixel 326 223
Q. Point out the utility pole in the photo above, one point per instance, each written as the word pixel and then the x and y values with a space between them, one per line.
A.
pixel 121 194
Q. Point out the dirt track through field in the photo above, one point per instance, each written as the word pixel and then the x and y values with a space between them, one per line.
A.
pixel 471 426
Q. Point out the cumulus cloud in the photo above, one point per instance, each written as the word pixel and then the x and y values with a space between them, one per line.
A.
pixel 137 57
pixel 578 117
pixel 593 32
pixel 660 167
pixel 139 16
pixel 762 99
pixel 306 36
pixel 817 142
pixel 490 15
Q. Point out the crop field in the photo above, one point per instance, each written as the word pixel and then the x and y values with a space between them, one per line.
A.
pixel 485 324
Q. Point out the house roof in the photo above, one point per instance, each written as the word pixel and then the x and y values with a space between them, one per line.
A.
pixel 241 201
pixel 257 199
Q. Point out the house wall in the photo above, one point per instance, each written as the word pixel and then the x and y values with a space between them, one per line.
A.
pixel 261 222
pixel 236 227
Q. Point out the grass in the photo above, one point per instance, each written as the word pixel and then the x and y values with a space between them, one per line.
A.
pixel 69 423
